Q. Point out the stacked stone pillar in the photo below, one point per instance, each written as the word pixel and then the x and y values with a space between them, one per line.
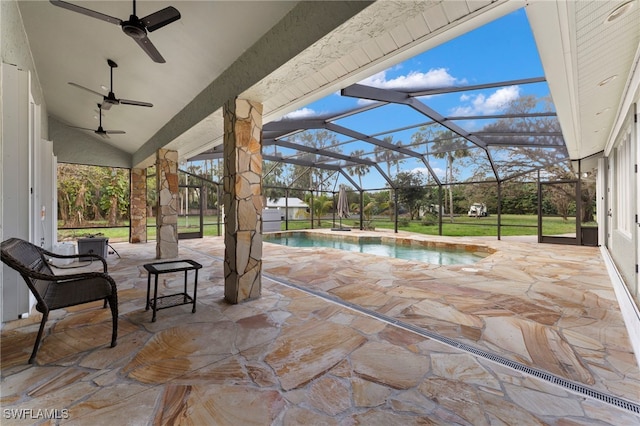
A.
pixel 167 217
pixel 138 206
pixel 242 200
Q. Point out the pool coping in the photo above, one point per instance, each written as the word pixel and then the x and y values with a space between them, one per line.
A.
pixel 413 240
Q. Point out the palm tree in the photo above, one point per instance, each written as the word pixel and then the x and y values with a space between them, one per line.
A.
pixel 390 158
pixel 450 146
pixel 359 169
pixel 321 205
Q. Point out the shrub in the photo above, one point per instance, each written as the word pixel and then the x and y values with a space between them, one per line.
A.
pixel 429 219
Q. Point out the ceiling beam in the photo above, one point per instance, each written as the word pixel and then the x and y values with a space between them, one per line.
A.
pixel 319 151
pixel 393 96
pixel 454 89
pixel 311 164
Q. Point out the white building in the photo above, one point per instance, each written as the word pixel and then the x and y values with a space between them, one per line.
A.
pixel 290 208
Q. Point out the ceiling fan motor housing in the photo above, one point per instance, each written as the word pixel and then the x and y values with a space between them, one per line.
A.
pixel 134 28
pixel 111 99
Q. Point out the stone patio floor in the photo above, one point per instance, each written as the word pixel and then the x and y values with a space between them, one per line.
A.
pixel 338 338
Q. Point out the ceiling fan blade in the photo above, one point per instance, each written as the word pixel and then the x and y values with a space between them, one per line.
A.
pixel 114 132
pixel 82 128
pixel 85 11
pixel 151 50
pixel 135 103
pixel 161 18
pixel 88 90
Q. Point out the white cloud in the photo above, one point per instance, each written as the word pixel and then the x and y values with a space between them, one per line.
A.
pixel 301 113
pixel 426 171
pixel 420 170
pixel 438 77
pixel 363 102
pixel 462 110
pixel 481 104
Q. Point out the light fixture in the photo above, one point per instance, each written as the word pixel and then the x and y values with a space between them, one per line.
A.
pixel 619 11
pixel 603 111
pixel 105 88
pixel 608 80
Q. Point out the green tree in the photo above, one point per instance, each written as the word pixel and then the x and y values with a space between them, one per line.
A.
pixel 411 191
pixel 359 169
pixel 321 206
pixel 450 147
pixel 519 197
pixel 152 193
pixel 390 158
pixel 115 196
pixel 87 193
pixel 381 202
pixel 552 158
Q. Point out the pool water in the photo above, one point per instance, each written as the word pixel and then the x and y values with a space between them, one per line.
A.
pixel 437 256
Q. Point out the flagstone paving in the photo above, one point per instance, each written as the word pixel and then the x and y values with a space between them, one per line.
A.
pixel 319 347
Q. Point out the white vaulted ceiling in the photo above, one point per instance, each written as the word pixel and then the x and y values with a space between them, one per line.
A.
pixel 580 50
pixel 287 54
pixel 70 47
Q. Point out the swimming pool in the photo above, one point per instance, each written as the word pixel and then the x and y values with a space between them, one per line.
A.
pixel 399 248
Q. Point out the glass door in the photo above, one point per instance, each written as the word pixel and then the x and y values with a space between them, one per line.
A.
pixel 558 212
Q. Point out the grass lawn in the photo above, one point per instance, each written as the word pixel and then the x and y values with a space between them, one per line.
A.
pixel 122 234
pixel 113 234
pixel 461 226
pixel 464 226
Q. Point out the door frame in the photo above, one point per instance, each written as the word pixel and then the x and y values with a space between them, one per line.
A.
pixel 200 232
pixel 577 240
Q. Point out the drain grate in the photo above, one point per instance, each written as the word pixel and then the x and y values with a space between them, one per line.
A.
pixel 541 374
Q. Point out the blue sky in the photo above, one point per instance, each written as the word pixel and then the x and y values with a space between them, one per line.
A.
pixel 499 51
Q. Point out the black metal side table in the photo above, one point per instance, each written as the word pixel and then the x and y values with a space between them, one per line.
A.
pixel 171 300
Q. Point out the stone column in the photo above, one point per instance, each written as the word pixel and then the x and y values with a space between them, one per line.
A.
pixel 167 216
pixel 138 206
pixel 242 200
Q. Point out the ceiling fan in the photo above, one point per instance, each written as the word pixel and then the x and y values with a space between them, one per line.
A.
pixel 135 27
pixel 111 99
pixel 100 131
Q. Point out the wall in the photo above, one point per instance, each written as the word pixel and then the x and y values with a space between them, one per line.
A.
pixel 76 147
pixel 15 181
pixel 14 49
pixel 26 161
pixel 622 245
pixel 622 252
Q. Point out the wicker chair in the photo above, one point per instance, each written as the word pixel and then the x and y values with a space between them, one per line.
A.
pixel 59 291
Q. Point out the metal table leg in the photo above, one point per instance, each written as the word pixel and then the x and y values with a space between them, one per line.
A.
pixel 155 299
pixel 146 308
pixel 195 290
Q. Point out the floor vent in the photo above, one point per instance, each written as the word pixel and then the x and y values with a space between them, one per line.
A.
pixel 541 374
